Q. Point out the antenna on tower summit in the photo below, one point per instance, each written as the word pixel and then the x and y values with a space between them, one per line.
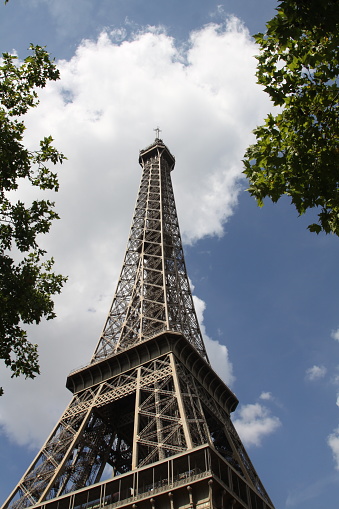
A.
pixel 157 133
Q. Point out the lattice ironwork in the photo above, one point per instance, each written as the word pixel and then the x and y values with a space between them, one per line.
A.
pixel 153 292
pixel 148 393
pixel 136 418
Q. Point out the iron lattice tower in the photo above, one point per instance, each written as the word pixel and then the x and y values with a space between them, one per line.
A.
pixel 149 423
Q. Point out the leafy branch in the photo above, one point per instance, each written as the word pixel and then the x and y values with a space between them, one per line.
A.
pixel 297 150
pixel 27 285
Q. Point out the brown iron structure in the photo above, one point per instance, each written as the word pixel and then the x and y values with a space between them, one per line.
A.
pixel 149 424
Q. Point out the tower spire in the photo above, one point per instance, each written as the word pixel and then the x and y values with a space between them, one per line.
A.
pixel 149 423
pixel 153 292
pixel 157 133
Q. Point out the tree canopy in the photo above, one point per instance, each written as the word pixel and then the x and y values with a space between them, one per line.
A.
pixel 297 150
pixel 26 278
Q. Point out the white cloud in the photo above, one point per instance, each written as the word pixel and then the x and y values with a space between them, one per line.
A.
pixel 333 442
pixel 315 373
pixel 217 353
pixel 111 95
pixel 254 422
pixel 335 334
pixel 267 396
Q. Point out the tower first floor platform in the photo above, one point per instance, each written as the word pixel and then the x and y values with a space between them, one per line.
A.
pixel 199 479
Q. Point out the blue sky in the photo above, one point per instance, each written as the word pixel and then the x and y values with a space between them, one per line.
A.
pixel 265 288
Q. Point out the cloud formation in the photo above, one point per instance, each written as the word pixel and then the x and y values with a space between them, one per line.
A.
pixel 111 95
pixel 217 353
pixel 254 422
pixel 333 442
pixel 267 396
pixel 315 373
pixel 335 334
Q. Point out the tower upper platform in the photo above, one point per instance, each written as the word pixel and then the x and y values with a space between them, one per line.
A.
pixel 157 149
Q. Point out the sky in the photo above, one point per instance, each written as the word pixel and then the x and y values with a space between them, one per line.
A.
pixel 265 288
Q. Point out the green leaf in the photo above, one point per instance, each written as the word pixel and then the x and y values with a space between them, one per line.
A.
pixel 297 150
pixel 28 285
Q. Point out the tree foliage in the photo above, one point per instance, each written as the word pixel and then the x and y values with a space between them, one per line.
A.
pixel 297 150
pixel 26 278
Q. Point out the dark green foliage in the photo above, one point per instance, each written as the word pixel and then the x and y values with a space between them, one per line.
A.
pixel 297 150
pixel 26 278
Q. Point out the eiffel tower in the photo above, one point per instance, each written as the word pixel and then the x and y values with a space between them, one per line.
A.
pixel 149 424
